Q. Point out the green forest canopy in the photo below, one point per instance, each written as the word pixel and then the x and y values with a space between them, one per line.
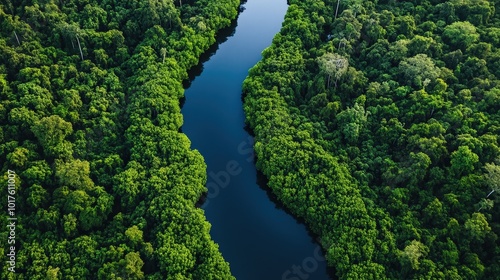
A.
pixel 89 121
pixel 375 121
pixel 378 122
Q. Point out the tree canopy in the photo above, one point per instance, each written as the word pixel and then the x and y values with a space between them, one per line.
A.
pixel 90 120
pixel 394 168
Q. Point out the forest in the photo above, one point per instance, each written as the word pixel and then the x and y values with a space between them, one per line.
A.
pixel 105 184
pixel 378 123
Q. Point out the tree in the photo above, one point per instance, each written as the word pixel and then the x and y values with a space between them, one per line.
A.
pixel 463 161
pixel 477 226
pixel 70 31
pixel 133 264
pixel 127 184
pixel 74 174
pixel 163 52
pixel 417 69
pixel 19 157
pixel 460 34
pixel 486 204
pixel 420 44
pixel 51 133
pixel 492 176
pixel 352 121
pixel 366 271
pixel 38 196
pixel 69 224
pixel 134 234
pixel 333 65
pixel 92 17
pixel 406 26
pixel 53 273
pixel 17 38
pixel 412 253
pixel 157 13
pixel 478 12
pixel 357 6
pixel 337 8
pixel 129 267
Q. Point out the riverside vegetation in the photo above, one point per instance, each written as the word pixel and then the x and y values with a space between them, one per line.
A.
pixel 378 123
pixel 89 121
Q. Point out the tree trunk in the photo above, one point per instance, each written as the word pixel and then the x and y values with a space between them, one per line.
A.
pixel 490 193
pixel 337 10
pixel 80 47
pixel 17 38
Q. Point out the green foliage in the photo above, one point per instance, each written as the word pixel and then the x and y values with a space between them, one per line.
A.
pixel 333 65
pixel 477 226
pixel 412 253
pixel 389 166
pixel 492 176
pixel 463 161
pixel 419 70
pixel 352 120
pixel 51 133
pixel 460 34
pixel 89 120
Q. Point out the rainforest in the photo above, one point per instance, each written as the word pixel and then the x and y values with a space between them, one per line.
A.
pixel 375 128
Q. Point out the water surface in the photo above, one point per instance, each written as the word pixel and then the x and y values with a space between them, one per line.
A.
pixel 259 239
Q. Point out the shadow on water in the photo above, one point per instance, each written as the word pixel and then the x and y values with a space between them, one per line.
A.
pixel 262 182
pixel 195 71
pixel 222 36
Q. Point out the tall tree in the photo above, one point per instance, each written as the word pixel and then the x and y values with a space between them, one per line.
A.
pixel 333 65
pixel 492 176
pixel 72 31
pixel 163 52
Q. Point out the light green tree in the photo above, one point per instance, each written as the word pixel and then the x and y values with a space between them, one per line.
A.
pixel 477 226
pixel 492 176
pixel 333 65
pixel 463 161
pixel 417 69
pixel 412 253
pixel 460 34
pixel 51 133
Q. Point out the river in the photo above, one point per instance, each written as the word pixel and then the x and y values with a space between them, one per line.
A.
pixel 256 236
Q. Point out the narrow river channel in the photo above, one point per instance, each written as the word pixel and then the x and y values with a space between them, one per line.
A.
pixel 258 238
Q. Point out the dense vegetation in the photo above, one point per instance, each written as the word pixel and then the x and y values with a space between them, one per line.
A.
pixel 106 184
pixel 378 123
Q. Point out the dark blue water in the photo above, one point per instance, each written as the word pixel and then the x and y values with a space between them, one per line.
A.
pixel 258 239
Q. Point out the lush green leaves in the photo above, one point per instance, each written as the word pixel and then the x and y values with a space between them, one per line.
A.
pixel 410 127
pixel 89 120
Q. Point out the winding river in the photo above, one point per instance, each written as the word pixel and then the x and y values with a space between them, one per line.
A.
pixel 256 236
